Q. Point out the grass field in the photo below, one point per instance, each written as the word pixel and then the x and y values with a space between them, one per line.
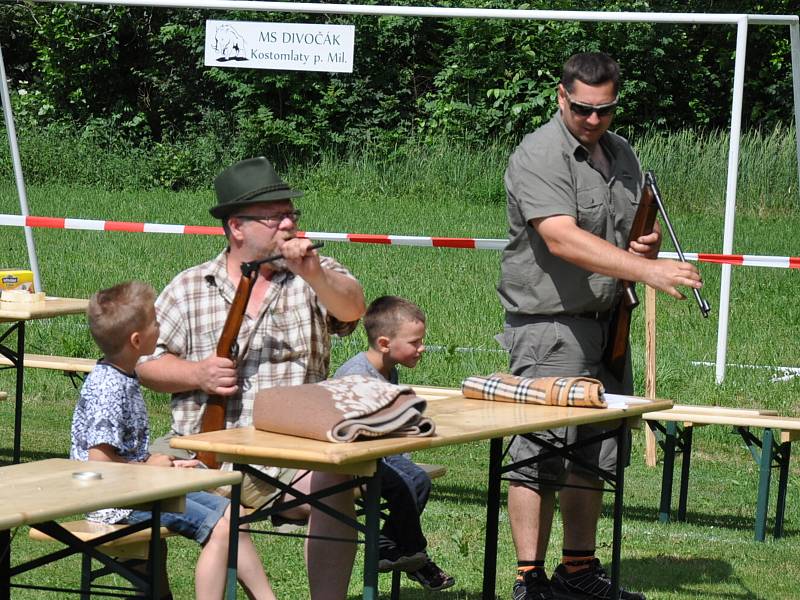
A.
pixel 446 192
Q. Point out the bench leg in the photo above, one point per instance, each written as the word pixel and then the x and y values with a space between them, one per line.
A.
pixel 372 517
pixel 765 472
pixel 783 482
pixel 396 585
pixel 686 464
pixel 667 472
pixel 86 577
pixel 492 519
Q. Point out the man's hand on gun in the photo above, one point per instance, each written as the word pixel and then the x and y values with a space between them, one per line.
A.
pixel 665 274
pixel 647 245
pixel 300 258
pixel 216 376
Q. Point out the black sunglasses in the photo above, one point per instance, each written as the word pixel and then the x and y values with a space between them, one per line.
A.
pixel 586 110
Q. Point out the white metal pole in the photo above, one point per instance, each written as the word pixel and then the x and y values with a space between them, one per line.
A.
pixel 794 35
pixel 445 12
pixel 730 195
pixel 23 197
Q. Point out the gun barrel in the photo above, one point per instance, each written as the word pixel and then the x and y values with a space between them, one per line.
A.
pixel 650 180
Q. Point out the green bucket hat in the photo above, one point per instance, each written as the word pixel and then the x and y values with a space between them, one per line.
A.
pixel 247 182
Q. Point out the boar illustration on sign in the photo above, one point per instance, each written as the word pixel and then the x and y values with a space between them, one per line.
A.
pixel 228 44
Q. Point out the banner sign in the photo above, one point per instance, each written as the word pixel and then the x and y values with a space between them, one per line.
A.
pixel 287 46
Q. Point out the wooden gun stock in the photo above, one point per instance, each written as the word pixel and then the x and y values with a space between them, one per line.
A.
pixel 619 329
pixel 620 326
pixel 227 347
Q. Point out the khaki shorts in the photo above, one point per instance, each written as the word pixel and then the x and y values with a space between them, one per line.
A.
pixel 256 493
pixel 556 346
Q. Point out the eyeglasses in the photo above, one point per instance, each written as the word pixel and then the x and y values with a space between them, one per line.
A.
pixel 272 221
pixel 586 110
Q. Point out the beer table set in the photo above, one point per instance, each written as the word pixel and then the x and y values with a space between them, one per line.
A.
pixel 458 420
pixel 37 493
pixel 17 314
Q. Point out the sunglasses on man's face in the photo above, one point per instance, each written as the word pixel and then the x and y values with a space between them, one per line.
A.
pixel 586 110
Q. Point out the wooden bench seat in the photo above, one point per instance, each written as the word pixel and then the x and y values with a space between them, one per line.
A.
pixel 430 392
pixel 769 451
pixel 134 545
pixel 132 550
pixel 68 364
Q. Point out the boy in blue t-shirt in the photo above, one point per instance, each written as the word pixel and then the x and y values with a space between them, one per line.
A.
pixel 395 331
pixel 110 423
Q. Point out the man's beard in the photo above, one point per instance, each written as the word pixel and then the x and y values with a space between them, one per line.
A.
pixel 278 265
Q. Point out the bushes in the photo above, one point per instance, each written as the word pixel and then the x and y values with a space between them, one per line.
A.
pixel 130 81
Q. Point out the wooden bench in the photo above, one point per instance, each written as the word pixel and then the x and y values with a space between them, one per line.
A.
pixel 772 450
pixel 132 550
pixel 69 365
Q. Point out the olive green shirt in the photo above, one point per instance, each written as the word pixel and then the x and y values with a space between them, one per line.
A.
pixel 550 173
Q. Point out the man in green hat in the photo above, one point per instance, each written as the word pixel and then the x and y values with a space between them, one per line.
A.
pixel 295 305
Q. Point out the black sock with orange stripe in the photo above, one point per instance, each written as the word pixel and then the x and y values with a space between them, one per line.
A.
pixel 523 566
pixel 576 560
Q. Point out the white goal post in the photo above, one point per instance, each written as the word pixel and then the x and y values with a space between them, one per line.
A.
pixel 741 21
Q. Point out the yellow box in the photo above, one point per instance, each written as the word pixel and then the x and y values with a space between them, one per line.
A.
pixel 16 279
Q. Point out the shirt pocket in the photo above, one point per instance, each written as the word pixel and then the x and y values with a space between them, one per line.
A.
pixel 593 209
pixel 627 195
pixel 286 337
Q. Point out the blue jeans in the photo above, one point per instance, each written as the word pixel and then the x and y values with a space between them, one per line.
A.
pixel 405 487
pixel 203 511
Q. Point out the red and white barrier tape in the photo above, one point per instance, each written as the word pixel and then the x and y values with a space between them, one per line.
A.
pixel 748 260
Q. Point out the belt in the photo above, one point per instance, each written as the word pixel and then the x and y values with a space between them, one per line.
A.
pixel 518 320
pixel 594 315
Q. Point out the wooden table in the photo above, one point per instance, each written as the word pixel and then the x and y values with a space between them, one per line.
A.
pixel 458 420
pixel 18 313
pixel 37 493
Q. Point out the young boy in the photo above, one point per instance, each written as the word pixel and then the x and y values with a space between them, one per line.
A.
pixel 395 331
pixel 111 424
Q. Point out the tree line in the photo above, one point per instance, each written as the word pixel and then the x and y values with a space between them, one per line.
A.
pixel 139 73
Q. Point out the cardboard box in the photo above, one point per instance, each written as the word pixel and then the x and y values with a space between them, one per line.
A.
pixel 16 279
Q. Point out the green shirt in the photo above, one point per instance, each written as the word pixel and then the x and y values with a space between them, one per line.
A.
pixel 550 174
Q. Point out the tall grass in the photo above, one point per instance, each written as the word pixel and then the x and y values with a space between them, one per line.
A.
pixel 451 191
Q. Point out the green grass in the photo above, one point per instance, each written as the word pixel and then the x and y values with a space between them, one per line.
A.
pixel 453 192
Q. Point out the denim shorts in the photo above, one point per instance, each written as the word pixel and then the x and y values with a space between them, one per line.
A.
pixel 203 511
pixel 556 346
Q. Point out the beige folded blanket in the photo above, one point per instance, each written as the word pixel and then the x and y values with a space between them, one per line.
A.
pixel 556 391
pixel 341 410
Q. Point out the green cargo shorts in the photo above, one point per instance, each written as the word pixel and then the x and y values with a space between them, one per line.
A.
pixel 561 346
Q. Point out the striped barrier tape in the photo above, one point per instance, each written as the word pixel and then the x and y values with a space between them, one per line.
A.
pixel 747 260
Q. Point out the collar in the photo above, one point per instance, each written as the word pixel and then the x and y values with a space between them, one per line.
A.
pixel 215 274
pixel 574 146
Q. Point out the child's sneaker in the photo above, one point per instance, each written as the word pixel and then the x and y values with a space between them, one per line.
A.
pixel 431 577
pixel 391 558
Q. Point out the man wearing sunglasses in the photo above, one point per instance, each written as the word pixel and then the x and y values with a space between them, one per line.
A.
pixel 572 189
pixel 296 304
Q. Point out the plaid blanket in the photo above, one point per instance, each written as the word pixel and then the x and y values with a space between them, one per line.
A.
pixel 556 391
pixel 341 410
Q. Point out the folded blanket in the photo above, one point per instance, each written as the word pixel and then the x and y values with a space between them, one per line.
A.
pixel 341 410
pixel 556 391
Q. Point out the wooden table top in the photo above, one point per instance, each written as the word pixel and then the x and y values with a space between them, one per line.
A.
pixel 44 490
pixel 458 420
pixel 51 307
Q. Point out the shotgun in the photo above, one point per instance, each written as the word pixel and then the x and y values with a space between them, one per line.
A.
pixel 620 326
pixel 228 347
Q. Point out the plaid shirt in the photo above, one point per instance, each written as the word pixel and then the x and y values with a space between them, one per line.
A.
pixel 288 343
